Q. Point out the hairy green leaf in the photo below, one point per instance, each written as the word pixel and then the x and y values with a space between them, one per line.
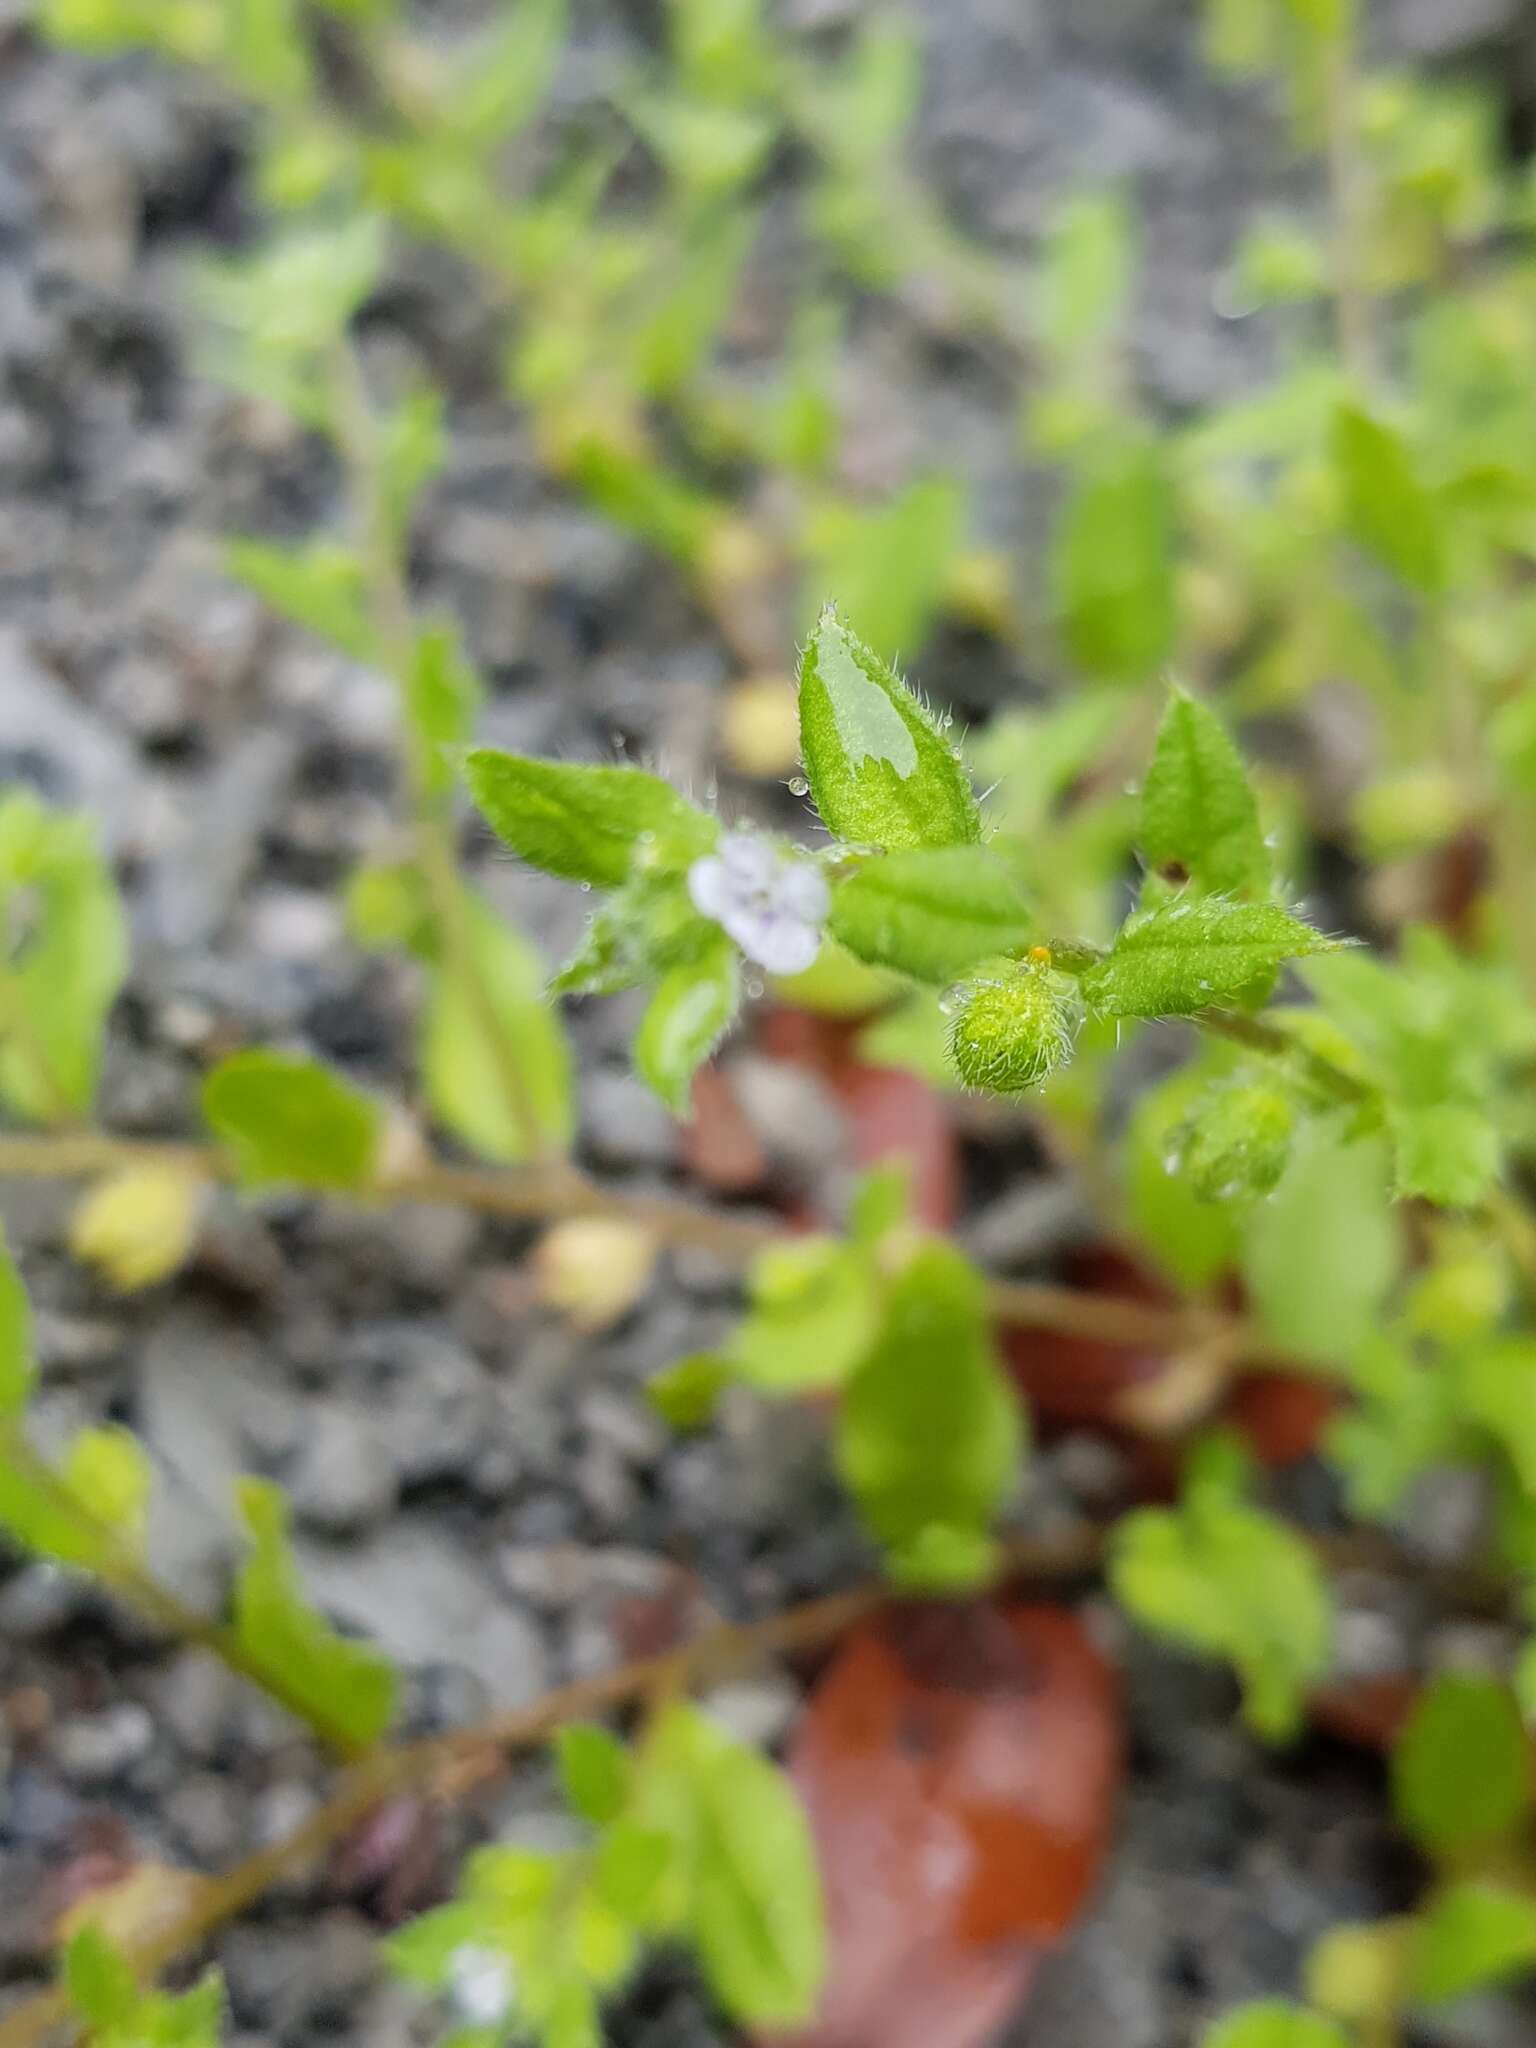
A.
pixel 931 912
pixel 284 1119
pixel 880 765
pixel 930 1433
pixel 585 823
pixel 687 1017
pixel 1187 955
pixel 347 1689
pixel 1198 815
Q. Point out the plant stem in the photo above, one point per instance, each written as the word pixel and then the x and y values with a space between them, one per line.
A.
pixel 1348 203
pixel 120 1568
pixel 549 1193
pixel 432 818
pixel 427 1766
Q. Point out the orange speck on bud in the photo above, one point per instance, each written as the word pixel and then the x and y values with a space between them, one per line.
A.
pixel 1042 954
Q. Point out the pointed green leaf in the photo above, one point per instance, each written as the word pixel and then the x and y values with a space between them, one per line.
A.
pixel 443 695
pixel 585 823
pixel 466 1079
pixel 1386 506
pixel 98 1978
pixel 1112 566
pixel 347 1689
pixel 814 1313
pixel 322 587
pixel 930 1434
pixel 594 1769
pixel 1198 816
pixel 1460 1770
pixel 87 1511
pixel 284 1119
pixel 932 912
pixel 880 766
pixel 686 1394
pixel 686 1019
pixel 1187 955
pixel 1447 1152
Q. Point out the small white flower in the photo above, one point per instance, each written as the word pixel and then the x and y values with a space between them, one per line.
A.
pixel 772 906
pixel 481 1984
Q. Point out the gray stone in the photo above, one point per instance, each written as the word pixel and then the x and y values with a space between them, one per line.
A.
pixel 623 1125
pixel 432 1402
pixel 203 1815
pixel 344 1479
pixel 41 1598
pixel 425 1600
pixel 794 1113
pixel 198 877
pixel 93 1749
pixel 52 738
pixel 560 1575
pixel 196 1698
pixel 757 1711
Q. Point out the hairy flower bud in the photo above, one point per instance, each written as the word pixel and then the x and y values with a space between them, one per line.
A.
pixel 1009 1030
pixel 1236 1141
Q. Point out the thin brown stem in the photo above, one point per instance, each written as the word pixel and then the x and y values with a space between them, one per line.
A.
pixel 545 1193
pixel 431 1766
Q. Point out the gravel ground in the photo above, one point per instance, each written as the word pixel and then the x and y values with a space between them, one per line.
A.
pixel 471 1482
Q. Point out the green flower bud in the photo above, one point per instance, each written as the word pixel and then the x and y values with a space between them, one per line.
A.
pixel 1010 1030
pixel 1236 1141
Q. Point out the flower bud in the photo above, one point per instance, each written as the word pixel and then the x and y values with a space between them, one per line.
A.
pixel 1009 1031
pixel 1236 1140
pixel 138 1226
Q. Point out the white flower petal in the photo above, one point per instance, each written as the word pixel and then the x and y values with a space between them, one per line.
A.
pixel 482 1984
pixel 801 891
pixel 712 888
pixel 749 859
pixel 785 945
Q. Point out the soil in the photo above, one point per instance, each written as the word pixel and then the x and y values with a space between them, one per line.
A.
pixel 481 1488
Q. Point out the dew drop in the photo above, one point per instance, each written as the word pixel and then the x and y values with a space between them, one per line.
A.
pixel 754 988
pixel 586 888
pixel 798 786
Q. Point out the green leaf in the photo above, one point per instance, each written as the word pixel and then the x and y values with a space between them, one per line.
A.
pixel 814 1313
pixel 423 1950
pixel 1193 1240
pixel 1402 1420
pixel 932 912
pixel 1460 1770
pixel 881 768
pixel 322 587
pixel 585 823
pixel 1386 506
pixel 890 565
pixel 685 1395
pixel 1273 2023
pixel 632 1861
pixel 63 955
pixel 1084 271
pixel 1447 1152
pixel 17 1368
pixel 1497 1384
pixel 346 1689
pixel 1322 1254
pixel 751 1897
pixel 687 1017
pixel 284 1119
pixel 412 448
pixel 97 1976
pixel 930 1434
pixel 89 1510
pixel 1186 955
pixel 1470 1937
pixel 1198 815
pixel 1112 564
pixel 594 1769
pixel 443 695
pixel 1229 1581
pixel 1236 1142
pixel 500 990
